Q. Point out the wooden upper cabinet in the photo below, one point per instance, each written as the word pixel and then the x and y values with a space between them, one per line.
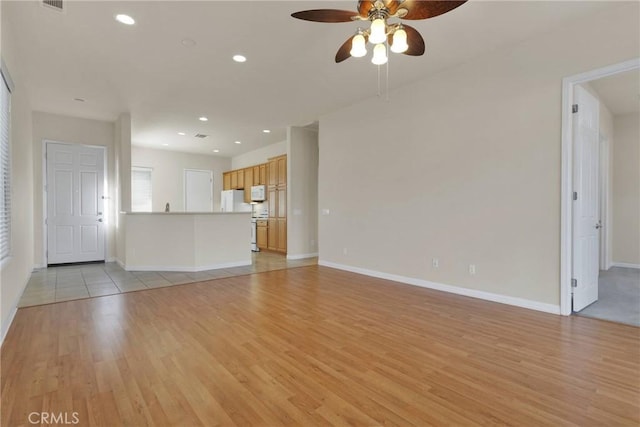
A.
pixel 226 181
pixel 263 174
pixel 248 182
pixel 273 173
pixel 282 170
pixel 240 179
pixel 255 173
pixel 234 180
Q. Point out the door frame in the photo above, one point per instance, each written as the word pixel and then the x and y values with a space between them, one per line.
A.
pixel 184 186
pixel 604 181
pixel 566 206
pixel 45 208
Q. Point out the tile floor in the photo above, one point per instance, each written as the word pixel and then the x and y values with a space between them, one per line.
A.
pixel 65 283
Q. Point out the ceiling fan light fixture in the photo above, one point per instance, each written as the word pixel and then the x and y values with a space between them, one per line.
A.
pixel 378 31
pixel 358 46
pixel 399 44
pixel 379 54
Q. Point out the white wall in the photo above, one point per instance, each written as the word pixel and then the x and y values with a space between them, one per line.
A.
pixel 16 270
pixel 259 156
pixel 168 174
pixel 465 167
pixel 302 192
pixel 75 130
pixel 626 189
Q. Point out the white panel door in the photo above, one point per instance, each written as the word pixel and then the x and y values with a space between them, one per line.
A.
pixel 198 190
pixel 586 225
pixel 75 186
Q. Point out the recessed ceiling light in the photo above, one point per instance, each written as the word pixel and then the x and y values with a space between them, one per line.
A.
pixel 165 145
pixel 203 119
pixel 125 19
pixel 188 42
pixel 216 151
pixel 266 131
pixel 239 58
pixel 79 99
pixel 238 142
pixel 181 133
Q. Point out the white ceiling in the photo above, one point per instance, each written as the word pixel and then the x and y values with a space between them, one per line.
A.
pixel 290 77
pixel 620 92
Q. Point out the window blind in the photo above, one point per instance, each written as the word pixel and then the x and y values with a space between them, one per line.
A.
pixel 141 189
pixel 5 170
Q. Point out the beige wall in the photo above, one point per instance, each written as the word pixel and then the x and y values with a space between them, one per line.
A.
pixel 259 156
pixel 15 270
pixel 302 192
pixel 626 189
pixel 168 174
pixel 53 127
pixel 464 167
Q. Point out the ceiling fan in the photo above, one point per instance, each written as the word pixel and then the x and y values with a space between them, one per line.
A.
pixel 400 37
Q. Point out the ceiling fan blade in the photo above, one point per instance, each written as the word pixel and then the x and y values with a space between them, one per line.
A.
pixel 424 9
pixel 415 41
pixel 325 15
pixel 344 51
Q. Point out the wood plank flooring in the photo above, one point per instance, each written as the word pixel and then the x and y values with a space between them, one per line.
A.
pixel 315 346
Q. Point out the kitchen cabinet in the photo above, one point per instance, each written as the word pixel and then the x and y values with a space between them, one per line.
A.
pixel 248 182
pixel 240 180
pixel 226 181
pixel 234 180
pixel 272 167
pixel 262 235
pixel 282 235
pixel 255 173
pixel 272 199
pixel 263 174
pixel 281 211
pixel 272 234
pixel 282 171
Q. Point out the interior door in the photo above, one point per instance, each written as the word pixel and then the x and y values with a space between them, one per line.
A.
pixel 198 190
pixel 75 187
pixel 586 223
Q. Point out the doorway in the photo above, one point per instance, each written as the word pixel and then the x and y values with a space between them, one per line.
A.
pixel 590 102
pixel 198 190
pixel 74 192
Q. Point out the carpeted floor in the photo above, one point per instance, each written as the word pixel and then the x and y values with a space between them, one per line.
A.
pixel 618 297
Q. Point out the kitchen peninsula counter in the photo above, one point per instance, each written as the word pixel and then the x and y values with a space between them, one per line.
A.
pixel 183 241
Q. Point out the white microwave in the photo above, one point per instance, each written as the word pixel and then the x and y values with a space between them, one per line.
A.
pixel 258 193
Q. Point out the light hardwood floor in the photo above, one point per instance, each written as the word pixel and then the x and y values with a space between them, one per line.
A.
pixel 315 346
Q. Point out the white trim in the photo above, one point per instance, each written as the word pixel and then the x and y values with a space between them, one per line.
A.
pixel 106 189
pixel 121 264
pixel 302 256
pixel 625 265
pixel 110 259
pixel 604 182
pixel 473 293
pixel 566 213
pixel 186 269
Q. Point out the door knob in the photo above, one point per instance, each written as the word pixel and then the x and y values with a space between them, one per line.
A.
pixel 598 225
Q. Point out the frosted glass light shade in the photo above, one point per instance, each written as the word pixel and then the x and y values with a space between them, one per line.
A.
pixel 399 41
pixel 379 54
pixel 378 31
pixel 358 46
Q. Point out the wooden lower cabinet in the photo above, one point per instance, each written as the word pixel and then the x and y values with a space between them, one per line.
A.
pixel 262 235
pixel 282 235
pixel 272 235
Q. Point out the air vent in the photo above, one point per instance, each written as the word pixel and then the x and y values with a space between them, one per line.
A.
pixel 200 135
pixel 54 5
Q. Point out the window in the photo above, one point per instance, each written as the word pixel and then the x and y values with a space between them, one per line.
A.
pixel 141 189
pixel 5 165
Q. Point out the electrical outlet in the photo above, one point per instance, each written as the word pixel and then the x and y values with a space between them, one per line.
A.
pixel 472 269
pixel 435 262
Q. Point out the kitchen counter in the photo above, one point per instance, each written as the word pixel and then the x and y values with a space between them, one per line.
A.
pixel 183 241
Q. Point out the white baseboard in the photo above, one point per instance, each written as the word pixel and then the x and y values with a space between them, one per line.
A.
pixel 121 264
pixel 503 299
pixel 301 256
pixel 110 259
pixel 38 266
pixel 186 269
pixel 6 324
pixel 625 265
